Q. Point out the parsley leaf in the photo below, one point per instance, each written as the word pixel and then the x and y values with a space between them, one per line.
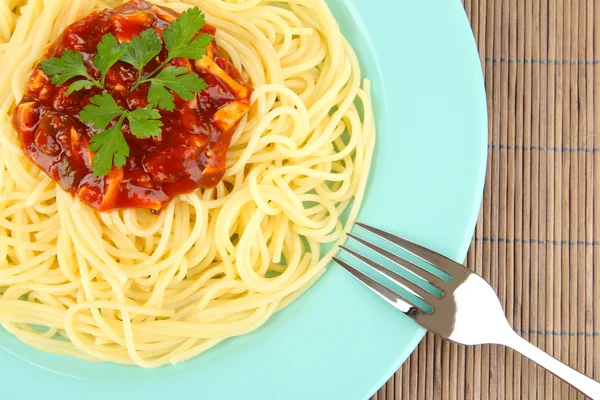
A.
pixel 68 66
pixel 196 49
pixel 181 42
pixel 110 147
pixel 109 53
pixel 102 110
pixel 180 80
pixel 159 96
pixel 110 144
pixel 178 36
pixel 144 122
pixel 141 49
pixel 78 85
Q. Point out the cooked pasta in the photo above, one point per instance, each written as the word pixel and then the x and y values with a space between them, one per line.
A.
pixel 134 287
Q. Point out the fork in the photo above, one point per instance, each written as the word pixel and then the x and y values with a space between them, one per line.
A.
pixel 466 310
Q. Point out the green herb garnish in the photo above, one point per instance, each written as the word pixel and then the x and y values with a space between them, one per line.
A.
pixel 178 37
pixel 102 110
pixel 178 80
pixel 144 122
pixel 110 144
pixel 109 52
pixel 181 40
pixel 69 65
pixel 110 147
pixel 141 50
pixel 180 43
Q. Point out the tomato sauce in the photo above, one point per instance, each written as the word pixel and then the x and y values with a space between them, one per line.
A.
pixel 189 153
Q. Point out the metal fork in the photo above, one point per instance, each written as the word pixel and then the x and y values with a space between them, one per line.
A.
pixel 467 311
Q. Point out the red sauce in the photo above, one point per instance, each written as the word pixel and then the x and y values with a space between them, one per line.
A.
pixel 189 153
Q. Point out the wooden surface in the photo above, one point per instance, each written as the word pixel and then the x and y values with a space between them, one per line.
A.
pixel 537 240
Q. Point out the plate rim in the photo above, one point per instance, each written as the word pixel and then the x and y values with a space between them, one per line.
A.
pixel 469 226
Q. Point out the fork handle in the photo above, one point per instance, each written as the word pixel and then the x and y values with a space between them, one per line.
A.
pixel 586 385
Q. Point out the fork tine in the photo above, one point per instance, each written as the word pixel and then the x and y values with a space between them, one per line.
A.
pixel 436 259
pixel 399 280
pixel 381 290
pixel 416 270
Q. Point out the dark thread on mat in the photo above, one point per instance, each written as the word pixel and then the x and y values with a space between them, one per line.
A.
pixel 536 61
pixel 556 333
pixel 544 148
pixel 537 241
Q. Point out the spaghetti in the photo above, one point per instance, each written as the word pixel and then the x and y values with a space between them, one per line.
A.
pixel 132 287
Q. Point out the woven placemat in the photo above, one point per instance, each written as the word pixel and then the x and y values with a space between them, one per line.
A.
pixel 537 240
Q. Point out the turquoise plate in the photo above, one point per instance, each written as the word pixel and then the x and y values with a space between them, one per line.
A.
pixel 338 341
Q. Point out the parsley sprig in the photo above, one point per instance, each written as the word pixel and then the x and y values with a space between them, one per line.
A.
pixel 110 144
pixel 69 65
pixel 181 40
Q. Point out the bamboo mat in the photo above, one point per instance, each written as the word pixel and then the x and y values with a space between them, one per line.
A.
pixel 537 240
